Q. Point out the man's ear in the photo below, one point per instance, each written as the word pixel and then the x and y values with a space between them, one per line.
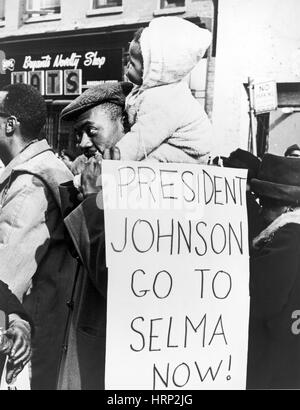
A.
pixel 11 125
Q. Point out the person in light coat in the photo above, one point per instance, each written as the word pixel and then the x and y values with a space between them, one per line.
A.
pixel 35 261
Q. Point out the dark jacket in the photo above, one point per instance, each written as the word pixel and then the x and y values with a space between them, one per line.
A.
pixel 274 335
pixel 84 367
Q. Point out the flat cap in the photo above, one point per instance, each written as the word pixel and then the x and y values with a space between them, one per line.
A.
pixel 114 93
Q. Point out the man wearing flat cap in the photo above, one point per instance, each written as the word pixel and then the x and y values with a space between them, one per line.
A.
pixel 99 123
pixel 99 117
pixel 274 330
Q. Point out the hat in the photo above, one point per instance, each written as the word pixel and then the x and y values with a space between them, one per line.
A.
pixel 171 47
pixel 290 149
pixel 245 160
pixel 114 93
pixel 278 178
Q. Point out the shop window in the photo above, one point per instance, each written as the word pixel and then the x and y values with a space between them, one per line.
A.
pixel 42 7
pixel 2 12
pixel 288 94
pixel 99 4
pixel 164 4
pixel 105 7
pixel 284 123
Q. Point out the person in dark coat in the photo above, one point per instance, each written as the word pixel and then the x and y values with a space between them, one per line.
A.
pixel 274 329
pixel 99 124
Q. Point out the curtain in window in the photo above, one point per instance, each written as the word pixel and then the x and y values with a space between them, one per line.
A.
pixel 98 4
pixel 48 4
pixel 171 3
pixel 43 4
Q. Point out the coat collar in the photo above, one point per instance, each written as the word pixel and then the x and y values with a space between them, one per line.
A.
pixel 268 234
pixel 19 162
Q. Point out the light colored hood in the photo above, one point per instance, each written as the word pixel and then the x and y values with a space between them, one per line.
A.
pixel 171 48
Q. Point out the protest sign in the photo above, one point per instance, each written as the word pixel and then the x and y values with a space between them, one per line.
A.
pixel 22 382
pixel 178 276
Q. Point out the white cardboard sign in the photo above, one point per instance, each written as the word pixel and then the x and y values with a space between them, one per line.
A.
pixel 265 96
pixel 178 276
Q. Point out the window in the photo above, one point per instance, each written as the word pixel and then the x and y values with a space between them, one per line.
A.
pixel 43 7
pixel 99 4
pixel 105 7
pixel 169 7
pixel 2 13
pixel 165 4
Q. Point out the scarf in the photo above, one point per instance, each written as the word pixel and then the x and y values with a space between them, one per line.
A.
pixel 267 234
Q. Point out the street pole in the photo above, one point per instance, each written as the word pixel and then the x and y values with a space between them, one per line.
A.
pixel 252 144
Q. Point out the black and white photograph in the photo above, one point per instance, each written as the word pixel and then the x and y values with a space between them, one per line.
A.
pixel 149 197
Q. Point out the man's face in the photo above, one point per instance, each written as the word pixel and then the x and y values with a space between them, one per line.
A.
pixel 96 131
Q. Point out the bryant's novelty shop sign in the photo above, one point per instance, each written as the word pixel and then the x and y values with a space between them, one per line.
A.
pixel 63 74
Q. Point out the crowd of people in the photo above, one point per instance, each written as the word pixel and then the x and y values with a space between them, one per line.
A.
pixel 53 276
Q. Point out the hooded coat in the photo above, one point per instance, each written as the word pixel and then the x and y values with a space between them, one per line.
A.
pixel 35 261
pixel 274 328
pixel 168 123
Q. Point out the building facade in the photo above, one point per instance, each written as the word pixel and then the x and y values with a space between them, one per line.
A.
pixel 259 39
pixel 62 47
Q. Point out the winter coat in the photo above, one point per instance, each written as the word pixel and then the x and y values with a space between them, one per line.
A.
pixel 168 123
pixel 274 329
pixel 84 365
pixel 35 261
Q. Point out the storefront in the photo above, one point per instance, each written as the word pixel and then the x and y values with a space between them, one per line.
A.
pixel 62 65
pixel 62 68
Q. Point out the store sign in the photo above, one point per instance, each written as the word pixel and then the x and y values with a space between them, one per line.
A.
pixel 265 97
pixel 6 64
pixel 52 82
pixel 63 74
pixel 91 58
